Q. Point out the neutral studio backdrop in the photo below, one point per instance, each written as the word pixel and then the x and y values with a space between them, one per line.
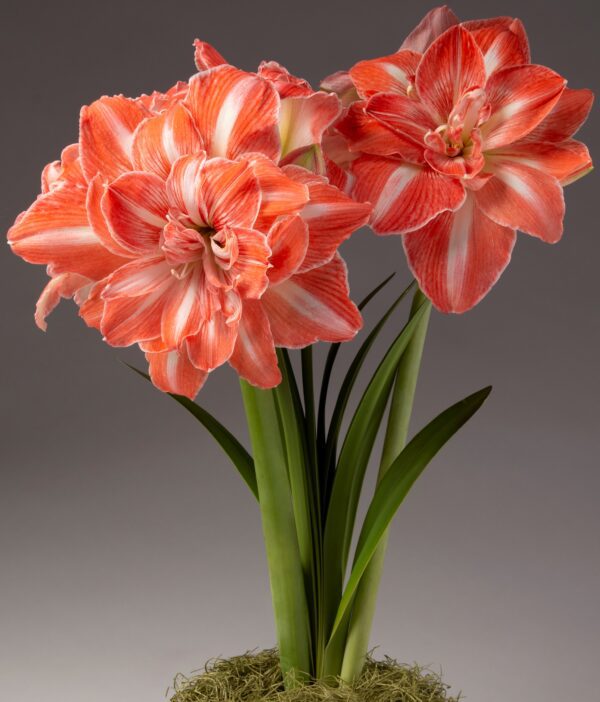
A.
pixel 129 548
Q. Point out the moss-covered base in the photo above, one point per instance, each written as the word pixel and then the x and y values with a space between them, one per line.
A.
pixel 255 677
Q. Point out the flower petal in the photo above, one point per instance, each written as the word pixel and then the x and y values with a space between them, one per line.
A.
pixel 206 56
pixel 106 135
pixel 159 141
pixel 303 120
pixel 387 74
pixel 183 313
pixel 63 286
pixel 458 256
pixel 93 204
pixel 286 84
pixel 55 230
pixel 450 67
pixel 565 118
pixel 254 355
pixel 252 263
pixel 502 40
pixel 184 187
pixel 435 22
pixel 404 196
pixel 139 277
pixel 235 112
pixel 66 171
pixel 230 192
pixel 213 344
pixel 523 198
pixel 520 97
pixel 171 371
pixel 288 241
pixel 135 206
pixel 312 306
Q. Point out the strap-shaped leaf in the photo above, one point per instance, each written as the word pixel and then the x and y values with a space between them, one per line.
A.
pixel 329 363
pixel 240 458
pixel 351 376
pixel 398 480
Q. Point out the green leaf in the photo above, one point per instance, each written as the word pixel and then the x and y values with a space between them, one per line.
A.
pixel 240 458
pixel 398 480
pixel 352 464
pixel 329 362
pixel 351 376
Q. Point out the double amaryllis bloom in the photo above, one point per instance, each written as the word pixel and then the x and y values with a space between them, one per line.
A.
pixel 186 223
pixel 457 140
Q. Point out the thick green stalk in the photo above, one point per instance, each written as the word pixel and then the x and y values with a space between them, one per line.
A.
pixel 363 609
pixel 281 540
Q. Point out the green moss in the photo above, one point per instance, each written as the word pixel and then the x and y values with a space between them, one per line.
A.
pixel 255 677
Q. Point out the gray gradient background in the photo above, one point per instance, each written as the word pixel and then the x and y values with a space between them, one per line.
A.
pixel 129 548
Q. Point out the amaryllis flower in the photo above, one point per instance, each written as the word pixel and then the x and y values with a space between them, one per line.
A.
pixel 183 222
pixel 458 141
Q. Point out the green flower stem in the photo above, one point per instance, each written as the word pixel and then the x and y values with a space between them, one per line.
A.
pixel 281 540
pixel 363 610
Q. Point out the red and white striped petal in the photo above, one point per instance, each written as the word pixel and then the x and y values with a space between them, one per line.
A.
pixel 171 371
pixel 92 308
pixel 341 84
pixel 135 206
pixel 55 230
pixel 213 343
pixel 435 22
pixel 139 277
pixel 184 187
pixel 286 84
pixel 365 133
pixel 522 197
pixel 159 141
pixel 520 97
pixel 64 286
pixel 235 112
pixel 106 135
pixel 93 203
pixel 254 356
pixel 67 171
pixel 404 196
pixel 565 118
pixel 288 241
pixel 458 256
pixel 566 160
pixel 280 194
pixel 303 120
pixel 312 306
pixel 252 263
pixel 183 313
pixel 387 74
pixel 502 40
pixel 331 216
pixel 129 320
pixel 450 67
pixel 206 56
pixel 230 192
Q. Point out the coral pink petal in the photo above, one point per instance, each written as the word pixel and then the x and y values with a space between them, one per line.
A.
pixel 522 197
pixel 288 240
pixel 206 56
pixel 254 355
pixel 235 112
pixel 367 134
pixel 139 277
pixel 252 263
pixel 231 193
pixel 404 196
pixel 55 230
pixel 213 344
pixel 280 194
pixel 502 40
pixel 435 22
pixel 565 118
pixel 184 187
pixel 92 308
pixel 159 141
pixel 63 286
pixel 458 256
pixel 171 371
pixel 95 193
pixel 388 74
pixel 312 306
pixel 520 97
pixel 135 206
pixel 331 216
pixel 303 120
pixel 450 67
pixel 183 313
pixel 66 171
pixel 106 135
pixel 286 84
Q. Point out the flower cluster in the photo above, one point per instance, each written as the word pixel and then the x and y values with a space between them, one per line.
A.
pixel 457 140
